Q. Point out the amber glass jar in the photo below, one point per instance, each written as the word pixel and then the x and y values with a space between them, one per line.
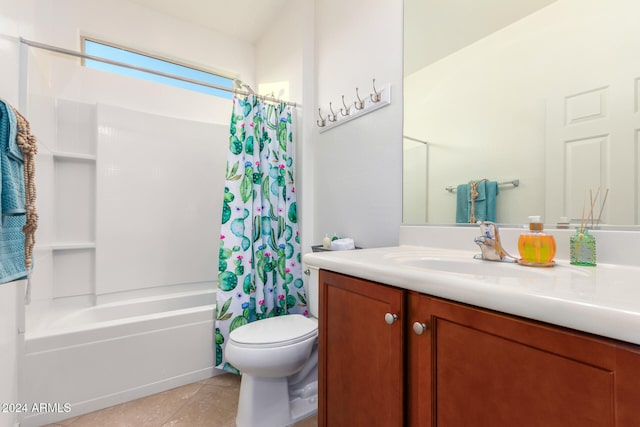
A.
pixel 536 247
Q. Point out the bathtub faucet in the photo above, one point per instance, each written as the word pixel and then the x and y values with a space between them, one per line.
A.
pixel 490 244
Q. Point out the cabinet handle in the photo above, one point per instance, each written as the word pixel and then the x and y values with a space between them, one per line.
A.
pixel 390 318
pixel 419 328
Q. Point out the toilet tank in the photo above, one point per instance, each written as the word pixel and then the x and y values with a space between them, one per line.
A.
pixel 312 287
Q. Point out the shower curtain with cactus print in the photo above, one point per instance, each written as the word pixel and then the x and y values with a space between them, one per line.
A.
pixel 260 273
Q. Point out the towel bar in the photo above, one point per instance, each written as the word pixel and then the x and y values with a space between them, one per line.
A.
pixel 514 182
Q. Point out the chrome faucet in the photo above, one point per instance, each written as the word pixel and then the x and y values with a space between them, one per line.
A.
pixel 490 244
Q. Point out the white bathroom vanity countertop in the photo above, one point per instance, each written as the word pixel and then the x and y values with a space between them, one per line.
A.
pixel 603 300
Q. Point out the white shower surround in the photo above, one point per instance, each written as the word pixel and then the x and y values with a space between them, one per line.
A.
pixel 130 207
pixel 160 182
pixel 131 260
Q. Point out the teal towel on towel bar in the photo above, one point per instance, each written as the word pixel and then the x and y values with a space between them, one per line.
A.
pixel 484 204
pixel 463 196
pixel 12 200
pixel 12 249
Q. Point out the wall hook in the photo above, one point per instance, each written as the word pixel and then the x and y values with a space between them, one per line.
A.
pixel 322 122
pixel 359 104
pixel 345 111
pixel 375 96
pixel 333 116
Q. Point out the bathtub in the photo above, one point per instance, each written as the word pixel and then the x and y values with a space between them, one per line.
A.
pixel 81 357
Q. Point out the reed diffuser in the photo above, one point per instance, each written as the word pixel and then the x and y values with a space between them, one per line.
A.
pixel 582 249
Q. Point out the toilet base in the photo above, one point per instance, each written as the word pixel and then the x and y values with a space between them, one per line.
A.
pixel 306 404
pixel 261 402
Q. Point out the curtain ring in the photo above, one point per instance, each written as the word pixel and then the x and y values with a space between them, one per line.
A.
pixel 322 122
pixel 345 111
pixel 359 104
pixel 378 96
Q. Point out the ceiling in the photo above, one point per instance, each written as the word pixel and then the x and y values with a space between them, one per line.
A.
pixel 241 19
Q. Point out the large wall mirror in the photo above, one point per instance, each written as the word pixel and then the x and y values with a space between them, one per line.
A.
pixel 542 92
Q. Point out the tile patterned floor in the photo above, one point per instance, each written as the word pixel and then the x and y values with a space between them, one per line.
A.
pixel 207 403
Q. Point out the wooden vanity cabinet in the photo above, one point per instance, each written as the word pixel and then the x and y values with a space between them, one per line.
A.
pixel 451 365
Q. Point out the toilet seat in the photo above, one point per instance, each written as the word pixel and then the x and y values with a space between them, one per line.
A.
pixel 275 332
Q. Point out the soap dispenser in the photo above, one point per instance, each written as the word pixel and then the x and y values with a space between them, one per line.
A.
pixel 326 242
pixel 536 248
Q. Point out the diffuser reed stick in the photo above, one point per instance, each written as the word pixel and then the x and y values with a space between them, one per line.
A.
pixel 582 243
pixel 602 206
pixel 584 201
pixel 593 203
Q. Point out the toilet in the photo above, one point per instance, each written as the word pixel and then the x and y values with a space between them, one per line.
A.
pixel 278 358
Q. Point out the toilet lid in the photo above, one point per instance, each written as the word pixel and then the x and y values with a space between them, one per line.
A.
pixel 280 330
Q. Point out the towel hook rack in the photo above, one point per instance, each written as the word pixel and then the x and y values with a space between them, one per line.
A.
pixel 346 110
pixel 322 122
pixel 350 110
pixel 333 116
pixel 375 96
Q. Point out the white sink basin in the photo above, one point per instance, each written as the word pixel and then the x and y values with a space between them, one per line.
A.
pixel 470 266
pixel 475 267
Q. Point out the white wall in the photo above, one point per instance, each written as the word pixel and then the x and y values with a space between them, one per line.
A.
pixel 61 22
pixel 284 65
pixel 9 52
pixel 358 165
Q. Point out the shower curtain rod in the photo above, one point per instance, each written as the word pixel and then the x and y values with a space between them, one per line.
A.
pixel 146 70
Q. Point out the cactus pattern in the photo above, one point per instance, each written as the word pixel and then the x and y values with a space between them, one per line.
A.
pixel 260 274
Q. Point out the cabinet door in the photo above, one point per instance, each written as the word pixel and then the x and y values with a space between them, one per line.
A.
pixel 361 355
pixel 489 369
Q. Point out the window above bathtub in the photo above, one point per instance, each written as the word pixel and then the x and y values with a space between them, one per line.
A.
pixel 168 72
